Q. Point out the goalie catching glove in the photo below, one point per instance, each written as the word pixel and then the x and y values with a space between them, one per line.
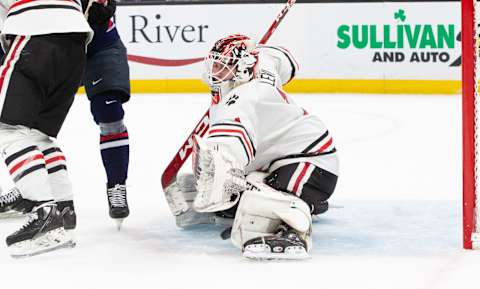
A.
pixel 219 177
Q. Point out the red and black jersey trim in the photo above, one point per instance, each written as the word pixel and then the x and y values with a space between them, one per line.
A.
pixel 302 155
pixel 323 144
pixel 39 7
pixel 235 130
pixel 315 142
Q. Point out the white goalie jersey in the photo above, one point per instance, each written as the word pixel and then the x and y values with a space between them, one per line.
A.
pixel 263 128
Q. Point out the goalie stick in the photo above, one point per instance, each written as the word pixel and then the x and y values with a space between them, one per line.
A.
pixel 168 176
pixel 170 173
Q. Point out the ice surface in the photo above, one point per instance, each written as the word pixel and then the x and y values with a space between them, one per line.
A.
pixel 396 222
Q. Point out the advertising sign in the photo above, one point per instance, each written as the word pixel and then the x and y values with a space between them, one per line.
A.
pixel 342 44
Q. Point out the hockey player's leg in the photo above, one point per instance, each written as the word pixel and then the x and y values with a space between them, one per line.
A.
pixel 270 224
pixel 17 93
pixel 44 230
pixel 43 79
pixel 107 83
pixel 55 163
pixel 114 148
pixel 12 203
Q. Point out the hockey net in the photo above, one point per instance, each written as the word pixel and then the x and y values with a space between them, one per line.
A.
pixel 471 125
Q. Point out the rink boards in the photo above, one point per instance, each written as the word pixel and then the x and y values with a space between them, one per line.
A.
pixel 382 47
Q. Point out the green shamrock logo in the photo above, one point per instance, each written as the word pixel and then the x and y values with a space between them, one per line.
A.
pixel 400 15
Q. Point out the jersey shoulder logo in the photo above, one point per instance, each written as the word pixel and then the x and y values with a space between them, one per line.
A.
pixel 267 77
pixel 232 99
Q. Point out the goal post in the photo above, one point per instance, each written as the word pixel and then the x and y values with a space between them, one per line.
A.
pixel 470 114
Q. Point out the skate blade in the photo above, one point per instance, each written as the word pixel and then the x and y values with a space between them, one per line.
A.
pixel 119 223
pixel 263 252
pixel 11 214
pixel 70 233
pixel 52 240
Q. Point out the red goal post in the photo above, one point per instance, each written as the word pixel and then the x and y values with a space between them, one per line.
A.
pixel 471 123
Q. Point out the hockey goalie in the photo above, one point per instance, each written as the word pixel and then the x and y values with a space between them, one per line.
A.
pixel 265 161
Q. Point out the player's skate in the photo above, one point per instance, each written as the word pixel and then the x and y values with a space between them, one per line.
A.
pixel 43 232
pixel 8 202
pixel 67 211
pixel 117 202
pixel 285 244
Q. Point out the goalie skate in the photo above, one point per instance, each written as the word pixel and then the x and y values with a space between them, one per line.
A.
pixel 286 244
pixel 43 232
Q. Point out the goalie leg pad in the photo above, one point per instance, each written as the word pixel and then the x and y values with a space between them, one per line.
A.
pixel 262 209
pixel 180 200
pixel 180 195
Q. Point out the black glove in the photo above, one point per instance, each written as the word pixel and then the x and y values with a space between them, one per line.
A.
pixel 98 14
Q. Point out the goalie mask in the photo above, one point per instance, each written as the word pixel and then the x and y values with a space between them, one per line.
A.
pixel 230 62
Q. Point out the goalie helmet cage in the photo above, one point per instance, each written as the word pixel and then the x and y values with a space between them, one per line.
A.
pixel 471 123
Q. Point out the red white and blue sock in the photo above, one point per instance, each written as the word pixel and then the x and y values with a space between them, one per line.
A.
pixel 108 113
pixel 115 150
